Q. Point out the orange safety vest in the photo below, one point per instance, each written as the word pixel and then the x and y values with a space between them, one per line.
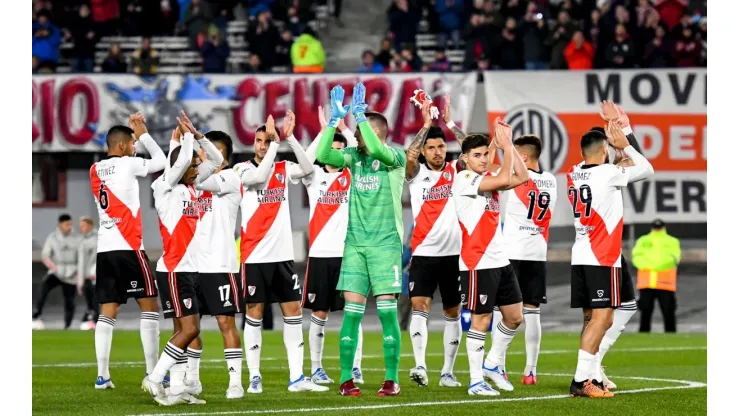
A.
pixel 310 69
pixel 663 280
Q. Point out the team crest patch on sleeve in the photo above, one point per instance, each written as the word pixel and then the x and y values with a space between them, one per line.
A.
pixel 187 302
pixel 251 290
pixel 483 299
pixel 411 286
pixel 280 177
pixel 311 297
pixel 376 165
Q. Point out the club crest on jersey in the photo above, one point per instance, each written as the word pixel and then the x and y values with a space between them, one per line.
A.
pixel 133 284
pixel 280 177
pixel 311 297
pixel 342 181
pixel 411 286
pixel 376 165
pixel 447 176
pixel 251 290
pixel 600 293
pixel 187 302
pixel 483 299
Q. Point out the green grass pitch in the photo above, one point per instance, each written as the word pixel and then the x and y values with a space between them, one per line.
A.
pixel 660 374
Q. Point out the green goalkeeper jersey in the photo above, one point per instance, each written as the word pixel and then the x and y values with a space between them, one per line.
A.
pixel 375 216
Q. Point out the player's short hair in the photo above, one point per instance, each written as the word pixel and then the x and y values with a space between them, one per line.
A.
pixel 176 152
pixel 263 129
pixel 591 140
pixel 599 129
pixel 435 132
pixel 118 133
pixel 86 220
pixel 341 139
pixel 378 120
pixel 219 136
pixel 532 142
pixel 64 218
pixel 474 141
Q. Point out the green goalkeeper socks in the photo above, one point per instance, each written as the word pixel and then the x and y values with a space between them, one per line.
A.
pixel 353 313
pixel 388 314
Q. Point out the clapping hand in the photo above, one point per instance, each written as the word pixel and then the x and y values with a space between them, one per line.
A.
pixel 338 110
pixel 358 102
pixel 288 124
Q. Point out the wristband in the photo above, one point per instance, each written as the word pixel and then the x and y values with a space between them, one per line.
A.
pixel 450 124
pixel 627 130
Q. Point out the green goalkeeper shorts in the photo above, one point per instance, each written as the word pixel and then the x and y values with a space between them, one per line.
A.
pixel 377 268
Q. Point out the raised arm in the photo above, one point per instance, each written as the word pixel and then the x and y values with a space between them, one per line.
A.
pixel 521 173
pixel 503 180
pixel 324 152
pixel 412 155
pixel 447 117
pixel 214 159
pixel 260 175
pixel 173 175
pixel 642 167
pixel 304 166
pixel 375 147
pixel 158 159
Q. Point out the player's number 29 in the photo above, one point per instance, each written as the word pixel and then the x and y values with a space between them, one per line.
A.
pixel 582 195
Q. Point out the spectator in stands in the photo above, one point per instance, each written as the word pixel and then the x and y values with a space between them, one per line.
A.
pixel 254 66
pixel 106 14
pixel 508 47
pixel 384 55
pixel 478 39
pixel 403 23
pixel 703 39
pixel 534 33
pixel 643 10
pixel 408 53
pixel 671 11
pixel 133 19
pixel 621 52
pixel 687 49
pixel 262 37
pixel 441 63
pixel 47 38
pixel 677 31
pixel 215 53
pixel 579 53
pixel 145 59
pixel 294 23
pixel 168 16
pixel 450 14
pixel 307 53
pixel 492 16
pixel 183 8
pixel 560 38
pixel 369 64
pixel 82 33
pixel 645 31
pixel 658 53
pixel 398 64
pixel 114 62
pixel 198 16
pixel 282 51
pixel 513 8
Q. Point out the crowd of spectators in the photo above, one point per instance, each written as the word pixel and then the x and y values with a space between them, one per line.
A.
pixel 273 27
pixel 545 34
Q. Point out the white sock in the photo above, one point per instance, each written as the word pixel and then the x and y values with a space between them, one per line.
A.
pixel 451 338
pixel 419 333
pixel 476 346
pixel 169 358
pixel 149 331
pixel 293 340
pixel 583 369
pixel 103 340
pixel 501 342
pixel 316 341
pixel 358 351
pixel 234 365
pixel 532 338
pixel 497 318
pixel 193 371
pixel 177 375
pixel 253 345
pixel 595 373
pixel 621 317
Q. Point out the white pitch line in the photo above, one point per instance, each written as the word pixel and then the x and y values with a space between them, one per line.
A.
pixel 684 384
pixel 336 357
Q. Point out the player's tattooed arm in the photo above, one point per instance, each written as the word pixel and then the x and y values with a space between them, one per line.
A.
pixel 447 117
pixel 412 155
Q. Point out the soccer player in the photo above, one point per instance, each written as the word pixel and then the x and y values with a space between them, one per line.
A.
pixel 328 195
pixel 435 246
pixel 628 306
pixel 267 252
pixel 176 201
pixel 594 190
pixel 487 277
pixel 216 282
pixel 372 251
pixel 121 266
pixel 86 254
pixel 528 212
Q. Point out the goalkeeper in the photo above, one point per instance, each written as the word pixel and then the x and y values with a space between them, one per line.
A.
pixel 372 251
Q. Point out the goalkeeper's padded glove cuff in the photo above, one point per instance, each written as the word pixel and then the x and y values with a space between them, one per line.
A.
pixel 360 117
pixel 334 122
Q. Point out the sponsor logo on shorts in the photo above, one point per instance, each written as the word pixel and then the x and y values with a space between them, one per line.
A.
pixel 169 305
pixel 600 293
pixel 133 284
pixel 311 297
pixel 227 303
pixel 483 299
pixel 187 302
pixel 601 300
pixel 462 299
pixel 251 290
pixel 411 286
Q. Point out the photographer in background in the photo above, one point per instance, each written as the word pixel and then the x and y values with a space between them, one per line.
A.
pixel 215 53
pixel 59 255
